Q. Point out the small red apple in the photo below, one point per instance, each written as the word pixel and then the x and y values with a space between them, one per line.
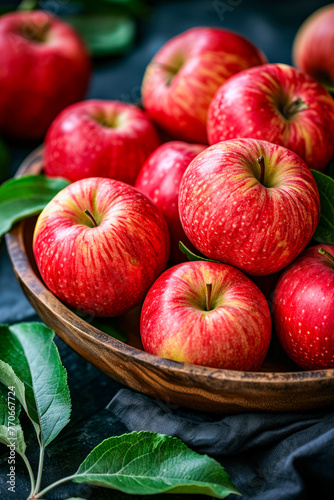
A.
pixel 304 308
pixel 99 245
pixel 45 67
pixel 249 203
pixel 97 138
pixel 160 179
pixel 207 314
pixel 313 46
pixel 279 104
pixel 184 75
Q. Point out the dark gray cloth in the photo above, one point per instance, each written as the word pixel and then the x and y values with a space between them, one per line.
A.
pixel 269 456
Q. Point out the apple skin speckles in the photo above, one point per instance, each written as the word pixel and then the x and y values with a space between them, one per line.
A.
pixel 234 334
pixel 304 309
pixel 255 103
pixel 258 228
pixel 104 270
pixel 97 138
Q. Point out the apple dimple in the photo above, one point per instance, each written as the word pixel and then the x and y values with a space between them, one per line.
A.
pixel 112 120
pixel 233 334
pixel 36 33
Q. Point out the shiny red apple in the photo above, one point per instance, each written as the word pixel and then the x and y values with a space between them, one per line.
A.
pixel 279 104
pixel 304 308
pixel 207 314
pixel 99 245
pixel 313 46
pixel 45 67
pixel 96 138
pixel 184 75
pixel 249 203
pixel 160 179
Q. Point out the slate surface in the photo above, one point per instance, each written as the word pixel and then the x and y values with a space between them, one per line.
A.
pixel 268 457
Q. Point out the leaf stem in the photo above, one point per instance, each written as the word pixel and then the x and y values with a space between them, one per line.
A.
pixel 31 474
pixel 53 485
pixel 40 470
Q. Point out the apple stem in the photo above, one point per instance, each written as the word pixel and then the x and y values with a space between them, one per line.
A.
pixel 87 212
pixel 294 107
pixel 166 67
pixel 260 161
pixel 208 296
pixel 326 254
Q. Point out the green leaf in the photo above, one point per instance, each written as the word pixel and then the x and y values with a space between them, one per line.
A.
pixel 146 463
pixel 4 161
pixel 331 169
pixel 34 360
pixel 26 196
pixel 105 34
pixel 110 326
pixel 191 255
pixel 10 429
pixel 9 379
pixel 137 8
pixel 325 230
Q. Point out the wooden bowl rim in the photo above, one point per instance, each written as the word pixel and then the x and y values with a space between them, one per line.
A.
pixel 211 377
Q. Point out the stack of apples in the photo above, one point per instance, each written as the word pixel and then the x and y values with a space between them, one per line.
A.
pixel 233 183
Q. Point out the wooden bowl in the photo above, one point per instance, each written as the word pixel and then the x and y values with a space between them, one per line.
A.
pixel 280 386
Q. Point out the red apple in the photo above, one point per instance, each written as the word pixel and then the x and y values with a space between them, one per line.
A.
pixel 207 314
pixel 160 179
pixel 184 75
pixel 44 67
pixel 249 203
pixel 313 46
pixel 102 261
pixel 99 139
pixel 279 104
pixel 304 309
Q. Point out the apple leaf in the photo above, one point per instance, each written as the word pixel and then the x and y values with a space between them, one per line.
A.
pixel 26 196
pixel 325 230
pixel 331 169
pixel 110 326
pixel 192 256
pixel 137 8
pixel 4 161
pixel 105 34
pixel 10 428
pixel 30 362
pixel 145 463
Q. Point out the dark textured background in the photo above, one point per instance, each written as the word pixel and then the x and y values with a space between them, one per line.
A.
pixel 268 457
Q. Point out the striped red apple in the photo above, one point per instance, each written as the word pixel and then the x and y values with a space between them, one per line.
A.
pixel 207 314
pixel 99 245
pixel 304 308
pixel 160 179
pixel 97 138
pixel 249 203
pixel 182 78
pixel 45 66
pixel 279 104
pixel 313 46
